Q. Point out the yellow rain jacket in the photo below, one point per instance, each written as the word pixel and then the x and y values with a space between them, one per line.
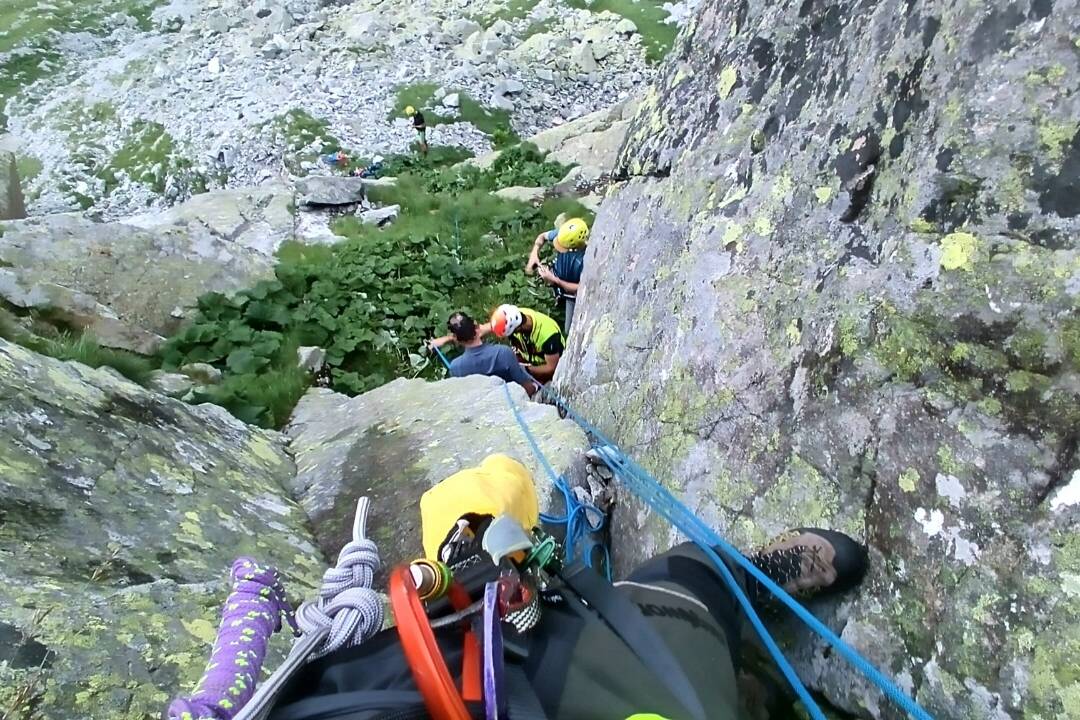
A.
pixel 500 485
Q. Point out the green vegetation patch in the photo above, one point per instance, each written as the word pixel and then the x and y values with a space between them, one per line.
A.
pixel 656 35
pixel 492 122
pixel 77 346
pixel 373 299
pixel 147 154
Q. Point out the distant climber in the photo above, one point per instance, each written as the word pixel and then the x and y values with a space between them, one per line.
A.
pixel 419 125
pixel 545 641
pixel 480 358
pixel 535 337
pixel 569 241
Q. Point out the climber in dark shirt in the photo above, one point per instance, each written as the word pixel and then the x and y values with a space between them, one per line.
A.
pixel 480 358
pixel 419 125
pixel 569 241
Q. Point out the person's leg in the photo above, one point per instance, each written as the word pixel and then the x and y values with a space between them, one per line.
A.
pixel 807 561
pixel 570 302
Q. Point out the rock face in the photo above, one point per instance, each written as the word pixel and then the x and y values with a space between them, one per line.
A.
pixel 144 269
pixel 395 442
pixel 12 206
pixel 840 288
pixel 121 513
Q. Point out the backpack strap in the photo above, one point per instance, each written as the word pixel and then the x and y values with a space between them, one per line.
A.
pixel 522 702
pixel 626 620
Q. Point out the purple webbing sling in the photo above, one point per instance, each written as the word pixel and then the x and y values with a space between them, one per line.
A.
pixel 251 615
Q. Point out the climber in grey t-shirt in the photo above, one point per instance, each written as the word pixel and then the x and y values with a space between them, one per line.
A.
pixel 480 358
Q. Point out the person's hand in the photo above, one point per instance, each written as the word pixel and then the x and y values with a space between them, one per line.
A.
pixel 533 263
pixel 434 343
pixel 546 275
pixel 541 238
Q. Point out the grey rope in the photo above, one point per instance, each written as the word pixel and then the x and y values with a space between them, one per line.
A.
pixel 346 613
pixel 347 606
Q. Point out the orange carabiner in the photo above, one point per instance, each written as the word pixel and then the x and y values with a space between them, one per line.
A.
pixel 422 652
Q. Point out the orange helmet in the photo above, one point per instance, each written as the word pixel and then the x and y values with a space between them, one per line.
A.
pixel 505 320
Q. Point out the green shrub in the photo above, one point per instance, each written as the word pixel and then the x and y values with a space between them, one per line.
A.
pixel 78 347
pixel 373 299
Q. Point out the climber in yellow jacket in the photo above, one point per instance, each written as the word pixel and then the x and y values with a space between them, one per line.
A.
pixel 535 337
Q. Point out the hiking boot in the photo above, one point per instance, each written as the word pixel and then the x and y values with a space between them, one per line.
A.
pixel 809 561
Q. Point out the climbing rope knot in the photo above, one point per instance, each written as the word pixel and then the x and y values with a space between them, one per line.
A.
pixel 347 607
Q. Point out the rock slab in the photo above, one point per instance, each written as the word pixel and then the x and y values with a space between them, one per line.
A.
pixel 395 442
pixel 122 513
pixel 840 289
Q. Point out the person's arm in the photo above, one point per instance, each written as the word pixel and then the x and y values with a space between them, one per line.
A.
pixel 440 341
pixel 534 256
pixel 516 372
pixel 544 373
pixel 548 276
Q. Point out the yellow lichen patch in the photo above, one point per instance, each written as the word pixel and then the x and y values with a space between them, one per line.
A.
pixel 733 234
pixel 958 250
pixel 728 78
pixel 763 225
pixel 794 334
pixel 1054 136
pixel 909 479
pixel 202 629
pixel 922 226
pixel 782 187
pixel 823 194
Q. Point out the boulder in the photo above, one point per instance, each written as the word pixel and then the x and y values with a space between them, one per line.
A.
pixel 508 86
pixel 323 190
pixel 849 300
pixel 311 359
pixel 122 513
pixel 172 385
pixel 12 204
pixel 583 58
pixel 76 310
pixel 395 442
pixel 461 28
pixel 365 30
pixel 140 274
pixel 453 100
pixel 271 17
pixel 481 45
pixel 380 216
pixel 529 195
pixel 202 373
pixel 626 26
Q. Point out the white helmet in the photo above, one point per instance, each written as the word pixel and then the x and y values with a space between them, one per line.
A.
pixel 505 320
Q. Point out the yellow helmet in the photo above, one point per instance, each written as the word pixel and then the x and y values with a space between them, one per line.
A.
pixel 410 110
pixel 573 234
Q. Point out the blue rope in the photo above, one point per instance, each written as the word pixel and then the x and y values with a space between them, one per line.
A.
pixel 582 520
pixel 660 499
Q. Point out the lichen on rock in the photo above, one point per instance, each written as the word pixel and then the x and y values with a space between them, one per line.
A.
pixel 839 289
pixel 122 512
